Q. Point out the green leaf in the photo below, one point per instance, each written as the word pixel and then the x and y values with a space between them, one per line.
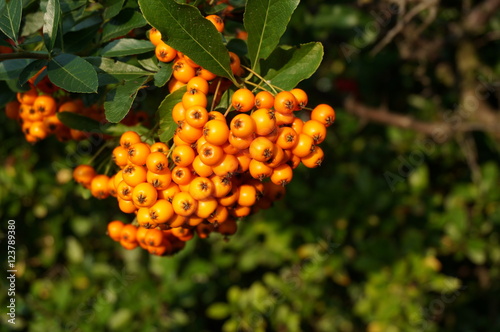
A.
pixel 120 25
pixel 126 46
pixel 31 70
pixel 119 100
pixel 10 69
pixel 149 63
pixel 51 23
pixel 167 124
pixel 163 75
pixel 287 66
pixel 81 122
pixel 32 23
pixel 186 30
pixel 112 9
pixel 118 69
pixel 266 21
pixel 118 129
pixel 10 20
pixel 72 73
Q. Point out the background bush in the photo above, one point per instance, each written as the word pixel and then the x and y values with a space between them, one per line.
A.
pixel 396 231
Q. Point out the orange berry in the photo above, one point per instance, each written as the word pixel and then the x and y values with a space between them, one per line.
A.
pixel 324 114
pixel 217 21
pixel 144 195
pixel 243 100
pixel 265 121
pixel 264 99
pixel 285 102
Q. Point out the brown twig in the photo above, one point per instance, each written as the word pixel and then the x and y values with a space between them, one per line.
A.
pixel 440 131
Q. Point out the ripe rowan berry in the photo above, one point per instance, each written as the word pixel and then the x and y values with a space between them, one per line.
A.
pixel 144 195
pixel 99 186
pixel 45 104
pixel 243 100
pixel 316 130
pixel 129 138
pixel 304 146
pixel 219 216
pixel 194 98
pixel 217 21
pixel 184 204
pixel 324 114
pixel 261 149
pixel 181 175
pixel 201 188
pixel 314 159
pixel 114 229
pixel 138 153
pixel 206 207
pixel 169 192
pixel 301 97
pixel 159 147
pixel 216 132
pixel 188 133
pixel 12 109
pixel 120 156
pixel 155 36
pixel 196 116
pixel 165 53
pixel 282 175
pixel 259 170
pixel 182 71
pixel 265 121
pixel 153 237
pixel 227 166
pixel 264 99
pixel 285 102
pixel 159 181
pixel 229 227
pixel 199 84
pixel 84 174
pixel 157 162
pixel 128 233
pixel 134 175
pixel 200 168
pixel 242 125
pixel 205 74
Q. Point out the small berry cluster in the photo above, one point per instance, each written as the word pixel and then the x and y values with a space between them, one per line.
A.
pixel 36 111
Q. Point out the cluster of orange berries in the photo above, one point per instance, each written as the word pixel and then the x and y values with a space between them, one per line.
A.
pixel 36 113
pixel 185 68
pixel 220 167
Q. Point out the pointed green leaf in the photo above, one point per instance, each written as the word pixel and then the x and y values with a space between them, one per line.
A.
pixel 10 19
pixel 167 123
pixel 119 100
pixel 51 20
pixel 32 23
pixel 163 75
pixel 31 70
pixel 127 46
pixel 186 30
pixel 112 8
pixel 265 22
pixel 80 122
pixel 72 73
pixel 121 24
pixel 119 69
pixel 287 66
pixel 10 69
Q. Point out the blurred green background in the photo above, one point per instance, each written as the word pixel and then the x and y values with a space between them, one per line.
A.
pixel 396 231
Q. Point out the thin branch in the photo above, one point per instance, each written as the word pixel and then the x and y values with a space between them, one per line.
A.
pixel 441 131
pixel 480 14
pixel 23 55
pixel 402 22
